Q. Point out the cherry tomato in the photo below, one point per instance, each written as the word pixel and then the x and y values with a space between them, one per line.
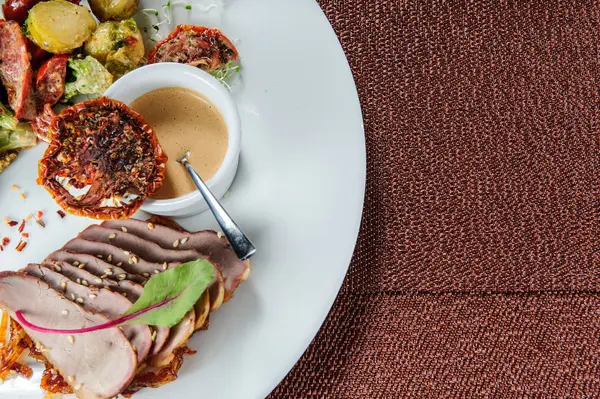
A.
pixel 16 10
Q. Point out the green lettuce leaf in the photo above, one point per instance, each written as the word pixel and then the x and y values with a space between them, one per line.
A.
pixel 91 77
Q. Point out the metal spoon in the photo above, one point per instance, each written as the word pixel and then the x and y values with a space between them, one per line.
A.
pixel 240 243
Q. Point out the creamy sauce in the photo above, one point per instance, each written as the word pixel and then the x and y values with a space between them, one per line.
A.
pixel 184 121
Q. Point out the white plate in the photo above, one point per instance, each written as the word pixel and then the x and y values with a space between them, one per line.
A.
pixel 298 195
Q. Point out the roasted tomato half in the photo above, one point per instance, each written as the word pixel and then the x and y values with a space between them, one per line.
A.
pixel 103 160
pixel 195 45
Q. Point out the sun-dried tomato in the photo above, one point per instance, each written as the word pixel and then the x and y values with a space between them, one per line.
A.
pixel 109 152
pixel 203 47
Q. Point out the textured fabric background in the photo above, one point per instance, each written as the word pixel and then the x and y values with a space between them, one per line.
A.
pixel 477 270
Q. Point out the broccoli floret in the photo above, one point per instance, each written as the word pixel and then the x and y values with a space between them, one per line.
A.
pixel 90 77
pixel 7 118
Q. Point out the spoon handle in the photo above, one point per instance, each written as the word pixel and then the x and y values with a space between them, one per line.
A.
pixel 240 243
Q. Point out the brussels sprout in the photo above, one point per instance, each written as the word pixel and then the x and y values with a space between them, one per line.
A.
pixel 90 78
pixel 118 45
pixel 106 10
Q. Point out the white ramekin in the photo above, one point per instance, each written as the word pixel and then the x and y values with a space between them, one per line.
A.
pixel 157 76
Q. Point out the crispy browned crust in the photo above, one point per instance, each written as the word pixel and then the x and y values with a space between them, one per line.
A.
pixel 211 53
pixel 107 171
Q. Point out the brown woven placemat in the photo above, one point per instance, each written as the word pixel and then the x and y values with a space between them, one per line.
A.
pixel 477 269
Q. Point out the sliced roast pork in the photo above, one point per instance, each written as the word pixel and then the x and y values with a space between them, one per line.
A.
pixel 142 256
pixel 124 259
pixel 139 245
pixel 128 289
pixel 97 365
pixel 96 265
pixel 180 334
pixel 107 303
pixel 207 243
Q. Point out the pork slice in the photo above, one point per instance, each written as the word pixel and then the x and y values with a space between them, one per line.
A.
pixel 180 334
pixel 129 289
pixel 201 310
pixel 139 248
pixel 142 247
pixel 126 260
pixel 96 266
pixel 207 243
pixel 101 364
pixel 15 70
pixel 107 303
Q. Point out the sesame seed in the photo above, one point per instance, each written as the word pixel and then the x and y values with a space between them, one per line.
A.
pixel 130 261
pixel 150 226
pixel 134 259
pixel 119 264
pixel 104 276
pixel 175 243
pixel 65 312
pixel 79 300
pixel 78 281
pixel 28 218
pixel 99 256
pixel 72 296
pixel 165 266
pixel 124 294
pixel 77 387
pixel 70 379
pixel 81 266
pixel 153 336
pixel 124 229
pixel 156 271
pixel 219 234
pixel 107 270
pixel 75 263
pixel 184 240
pixel 63 285
pixel 109 259
pixel 22 196
pixel 71 339
pixel 14 187
pixel 111 236
pixel 57 268
pixel 98 280
pixel 92 296
pixel 121 277
pixel 146 274
pixel 84 282
pixel 126 252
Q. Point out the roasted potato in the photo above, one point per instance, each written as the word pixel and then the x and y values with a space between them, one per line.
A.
pixel 117 45
pixel 59 26
pixel 106 10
